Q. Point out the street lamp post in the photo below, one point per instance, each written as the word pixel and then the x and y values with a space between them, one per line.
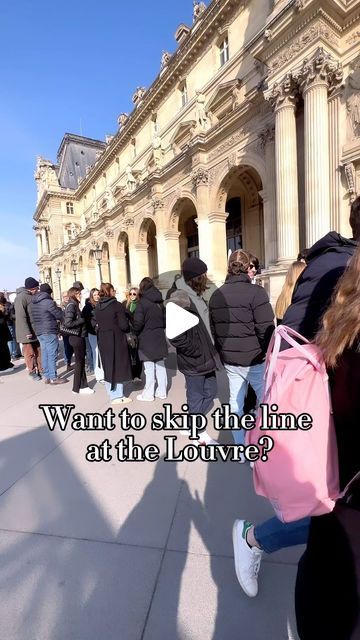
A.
pixel 98 256
pixel 58 275
pixel 74 266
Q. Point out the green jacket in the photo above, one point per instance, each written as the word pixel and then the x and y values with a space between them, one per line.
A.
pixel 23 319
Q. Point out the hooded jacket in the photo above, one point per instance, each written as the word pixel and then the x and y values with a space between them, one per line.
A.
pixel 241 320
pixel 149 325
pixel 196 354
pixel 45 314
pixel 24 326
pixel 326 262
pixel 112 325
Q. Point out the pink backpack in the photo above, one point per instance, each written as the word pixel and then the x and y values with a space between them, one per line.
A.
pixel 301 476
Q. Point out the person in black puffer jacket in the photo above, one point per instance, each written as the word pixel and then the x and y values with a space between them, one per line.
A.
pixel 45 316
pixel 76 323
pixel 149 325
pixel 242 323
pixel 326 262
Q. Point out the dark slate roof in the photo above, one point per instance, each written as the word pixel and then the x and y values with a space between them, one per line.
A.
pixel 74 155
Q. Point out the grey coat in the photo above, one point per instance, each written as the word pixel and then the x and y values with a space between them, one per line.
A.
pixel 23 318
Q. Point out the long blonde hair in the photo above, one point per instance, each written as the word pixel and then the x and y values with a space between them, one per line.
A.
pixel 284 299
pixel 341 322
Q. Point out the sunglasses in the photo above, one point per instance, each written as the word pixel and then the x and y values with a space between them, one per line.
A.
pixel 133 295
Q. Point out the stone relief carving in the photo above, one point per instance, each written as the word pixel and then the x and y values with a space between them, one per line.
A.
pixel 165 59
pixel 236 94
pixel 157 203
pixel 353 101
pixel 199 8
pixel 109 198
pixel 353 38
pixel 350 179
pixel 315 31
pixel 109 233
pixel 200 176
pixel 122 119
pixel 283 93
pixel 130 179
pixel 200 113
pixel 158 152
pixel 138 95
pixel 129 222
pixel 321 67
pixel 267 135
pixel 45 176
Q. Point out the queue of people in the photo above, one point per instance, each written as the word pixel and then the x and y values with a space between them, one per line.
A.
pixel 319 299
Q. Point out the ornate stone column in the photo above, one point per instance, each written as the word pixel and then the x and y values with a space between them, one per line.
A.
pixel 316 77
pixel 267 142
pixel 200 180
pixel 139 262
pixel 283 99
pixel 168 251
pixel 337 127
pixel 217 260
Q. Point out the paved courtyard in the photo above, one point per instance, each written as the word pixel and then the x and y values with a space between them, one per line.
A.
pixel 124 551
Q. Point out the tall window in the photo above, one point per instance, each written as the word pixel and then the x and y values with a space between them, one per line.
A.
pixel 224 51
pixel 69 208
pixel 234 238
pixel 184 94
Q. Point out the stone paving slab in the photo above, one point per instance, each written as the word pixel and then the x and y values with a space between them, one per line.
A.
pixel 63 589
pixel 138 551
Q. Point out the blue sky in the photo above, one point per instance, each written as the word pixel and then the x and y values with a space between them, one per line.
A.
pixel 62 63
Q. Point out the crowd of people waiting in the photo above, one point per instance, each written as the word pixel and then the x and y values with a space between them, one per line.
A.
pixel 320 299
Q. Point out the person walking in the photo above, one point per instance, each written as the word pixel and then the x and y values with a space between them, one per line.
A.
pixel 130 304
pixel 330 566
pixel 88 315
pixel 14 346
pixel 77 333
pixel 149 325
pixel 25 334
pixel 242 321
pixel 112 326
pixel 197 360
pixel 284 300
pixel 46 315
pixel 68 350
pixel 5 358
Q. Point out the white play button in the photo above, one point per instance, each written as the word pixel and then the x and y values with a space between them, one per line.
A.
pixel 178 320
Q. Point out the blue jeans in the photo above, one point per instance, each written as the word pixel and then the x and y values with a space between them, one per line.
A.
pixel 155 370
pixel 89 355
pixel 12 344
pixel 200 393
pixel 273 534
pixel 49 344
pixel 118 392
pixel 239 379
pixel 99 373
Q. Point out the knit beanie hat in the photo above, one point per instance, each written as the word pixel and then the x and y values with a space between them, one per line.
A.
pixel 46 288
pixel 193 267
pixel 31 283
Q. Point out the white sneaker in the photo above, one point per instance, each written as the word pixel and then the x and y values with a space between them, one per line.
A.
pixel 160 397
pixel 86 391
pixel 247 559
pixel 122 400
pixel 140 397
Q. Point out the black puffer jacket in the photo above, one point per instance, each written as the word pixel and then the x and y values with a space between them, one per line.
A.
pixel 326 262
pixel 241 320
pixel 45 314
pixel 73 318
pixel 88 315
pixel 196 354
pixel 149 324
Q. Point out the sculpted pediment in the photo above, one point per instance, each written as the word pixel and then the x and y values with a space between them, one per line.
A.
pixel 183 135
pixel 221 101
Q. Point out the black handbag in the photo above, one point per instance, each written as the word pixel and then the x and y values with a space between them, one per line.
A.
pixel 73 331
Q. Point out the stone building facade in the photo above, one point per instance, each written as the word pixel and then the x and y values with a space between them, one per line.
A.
pixel 249 136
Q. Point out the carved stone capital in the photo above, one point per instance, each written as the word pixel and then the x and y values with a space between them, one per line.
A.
pixel 129 222
pixel 200 176
pixel 283 94
pixel 320 69
pixel 267 135
pixel 109 233
pixel 157 203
